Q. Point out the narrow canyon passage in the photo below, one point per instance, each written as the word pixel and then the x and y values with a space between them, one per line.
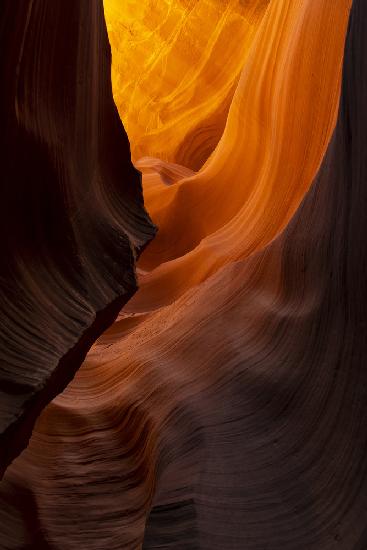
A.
pixel 225 408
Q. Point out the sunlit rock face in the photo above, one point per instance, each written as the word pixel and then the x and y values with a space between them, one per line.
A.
pixel 174 69
pixel 226 407
pixel 280 121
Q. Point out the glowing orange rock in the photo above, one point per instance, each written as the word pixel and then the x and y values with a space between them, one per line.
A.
pixel 232 384
pixel 174 69
pixel 279 124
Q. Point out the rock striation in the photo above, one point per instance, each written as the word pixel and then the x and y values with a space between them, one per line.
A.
pixel 72 214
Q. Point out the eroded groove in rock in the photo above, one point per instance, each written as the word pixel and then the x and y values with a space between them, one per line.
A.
pixel 72 215
pixel 279 125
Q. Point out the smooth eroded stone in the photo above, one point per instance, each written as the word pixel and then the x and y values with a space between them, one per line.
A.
pixel 72 219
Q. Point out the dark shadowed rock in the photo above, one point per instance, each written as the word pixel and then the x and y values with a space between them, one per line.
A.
pixel 71 214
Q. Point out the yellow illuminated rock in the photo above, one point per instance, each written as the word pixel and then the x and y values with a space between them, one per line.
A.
pixel 175 64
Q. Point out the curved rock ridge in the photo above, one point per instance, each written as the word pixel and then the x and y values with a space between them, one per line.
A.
pixel 232 414
pixel 175 65
pixel 72 215
pixel 269 153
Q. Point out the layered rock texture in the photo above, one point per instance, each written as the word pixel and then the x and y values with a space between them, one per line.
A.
pixel 72 216
pixel 226 406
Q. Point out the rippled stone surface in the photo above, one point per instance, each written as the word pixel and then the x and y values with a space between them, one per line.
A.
pixel 226 406
pixel 71 214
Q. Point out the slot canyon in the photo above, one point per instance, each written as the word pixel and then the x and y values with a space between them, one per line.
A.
pixel 184 275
